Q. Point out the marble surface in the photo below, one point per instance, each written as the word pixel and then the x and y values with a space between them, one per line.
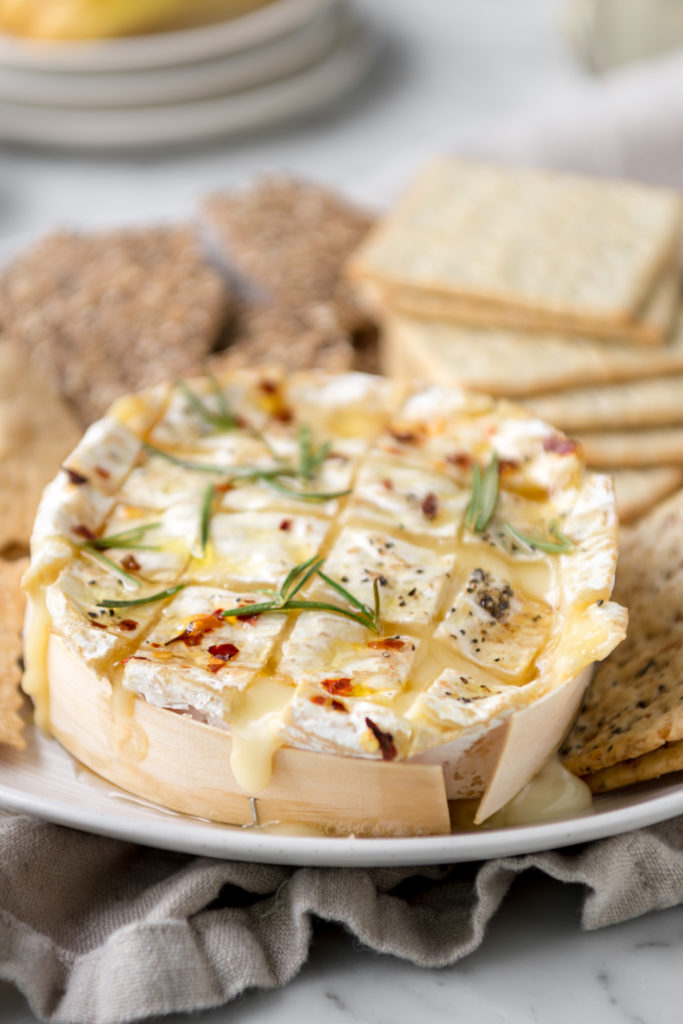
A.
pixel 452 71
pixel 535 966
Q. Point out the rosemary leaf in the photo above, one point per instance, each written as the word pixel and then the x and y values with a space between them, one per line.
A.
pixel 216 420
pixel 484 496
pixel 295 572
pixel 304 578
pixel 560 546
pixel 124 539
pixel 305 495
pixel 205 520
pixel 344 592
pixel 169 592
pixel 109 564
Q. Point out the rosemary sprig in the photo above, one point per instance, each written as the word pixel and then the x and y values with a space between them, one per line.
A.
pixel 484 496
pixel 111 565
pixel 124 539
pixel 205 517
pixel 284 600
pixel 169 592
pixel 290 492
pixel 235 472
pixel 221 420
pixel 560 546
pixel 310 458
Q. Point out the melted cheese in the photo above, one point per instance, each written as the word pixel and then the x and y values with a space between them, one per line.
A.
pixel 472 626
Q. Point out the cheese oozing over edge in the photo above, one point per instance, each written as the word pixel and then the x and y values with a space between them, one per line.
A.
pixel 187 506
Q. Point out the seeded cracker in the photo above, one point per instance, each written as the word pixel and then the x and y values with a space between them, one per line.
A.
pixel 539 241
pixel 112 312
pixel 635 702
pixel 287 242
pixel 503 362
pixel 272 332
pixel 36 432
pixel 11 618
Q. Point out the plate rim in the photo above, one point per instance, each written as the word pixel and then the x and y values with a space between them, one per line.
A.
pixel 184 834
pixel 321 84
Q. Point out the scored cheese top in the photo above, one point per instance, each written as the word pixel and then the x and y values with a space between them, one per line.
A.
pixel 219 489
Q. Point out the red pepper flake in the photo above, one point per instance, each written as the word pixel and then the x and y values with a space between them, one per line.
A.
pixel 318 699
pixel 508 465
pixel 388 484
pixel 128 624
pixel 342 686
pixel 130 563
pixel 286 524
pixel 338 706
pixel 220 655
pixel 83 531
pixel 404 436
pixel 283 415
pixel 102 472
pixel 269 387
pixel 385 740
pixel 223 488
pixel 560 445
pixel 98 625
pixel 430 506
pixel 460 459
pixel 74 476
pixel 390 643
pixel 196 629
pixel 224 651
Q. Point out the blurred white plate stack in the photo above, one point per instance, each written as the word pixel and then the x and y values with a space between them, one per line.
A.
pixel 286 59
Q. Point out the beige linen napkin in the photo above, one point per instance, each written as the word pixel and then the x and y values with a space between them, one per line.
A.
pixel 97 931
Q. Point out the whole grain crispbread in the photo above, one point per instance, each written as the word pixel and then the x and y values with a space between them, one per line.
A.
pixel 285 243
pixel 12 605
pixel 584 249
pixel 113 311
pixel 515 363
pixel 36 432
pixel 271 334
pixel 635 702
pixel 657 401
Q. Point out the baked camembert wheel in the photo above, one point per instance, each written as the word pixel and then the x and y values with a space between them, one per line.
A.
pixel 345 601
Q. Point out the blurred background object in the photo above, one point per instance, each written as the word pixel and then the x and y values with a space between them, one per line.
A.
pixel 607 34
pixel 212 68
pixel 98 19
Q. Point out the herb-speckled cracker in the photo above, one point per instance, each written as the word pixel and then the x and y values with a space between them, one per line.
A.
pixel 539 241
pixel 635 703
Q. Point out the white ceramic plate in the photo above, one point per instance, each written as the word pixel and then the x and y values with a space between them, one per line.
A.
pixel 277 58
pixel 164 48
pixel 45 781
pixel 145 127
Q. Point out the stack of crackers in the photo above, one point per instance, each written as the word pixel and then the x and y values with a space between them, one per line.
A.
pixel 559 291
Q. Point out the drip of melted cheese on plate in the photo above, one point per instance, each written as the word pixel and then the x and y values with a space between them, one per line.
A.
pixel 473 625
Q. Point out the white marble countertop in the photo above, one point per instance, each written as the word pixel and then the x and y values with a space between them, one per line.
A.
pixel 452 71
